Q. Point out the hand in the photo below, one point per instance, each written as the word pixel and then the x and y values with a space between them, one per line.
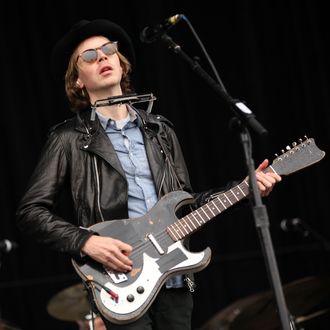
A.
pixel 110 252
pixel 266 181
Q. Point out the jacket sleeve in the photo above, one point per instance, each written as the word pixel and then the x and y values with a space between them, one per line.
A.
pixel 36 215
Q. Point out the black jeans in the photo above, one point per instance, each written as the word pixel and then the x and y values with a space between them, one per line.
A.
pixel 172 309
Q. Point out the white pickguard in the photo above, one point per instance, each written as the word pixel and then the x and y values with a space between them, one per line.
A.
pixel 148 280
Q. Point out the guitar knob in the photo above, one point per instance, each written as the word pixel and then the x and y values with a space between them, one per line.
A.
pixel 140 289
pixel 130 298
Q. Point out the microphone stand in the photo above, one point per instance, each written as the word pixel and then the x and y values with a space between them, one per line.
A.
pixel 245 118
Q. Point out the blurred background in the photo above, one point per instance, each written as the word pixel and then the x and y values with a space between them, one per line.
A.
pixel 273 55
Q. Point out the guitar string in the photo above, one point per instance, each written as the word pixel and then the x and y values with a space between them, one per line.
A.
pixel 163 235
pixel 191 219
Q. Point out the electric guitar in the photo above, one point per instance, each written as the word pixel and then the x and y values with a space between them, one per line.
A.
pixel 157 241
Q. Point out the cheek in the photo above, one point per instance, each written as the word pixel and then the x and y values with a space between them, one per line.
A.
pixel 117 64
pixel 85 77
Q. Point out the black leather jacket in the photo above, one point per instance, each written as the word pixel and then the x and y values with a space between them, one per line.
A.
pixel 78 157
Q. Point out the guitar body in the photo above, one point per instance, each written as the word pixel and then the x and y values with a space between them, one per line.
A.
pixel 156 257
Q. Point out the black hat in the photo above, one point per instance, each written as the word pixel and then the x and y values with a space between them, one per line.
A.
pixel 82 30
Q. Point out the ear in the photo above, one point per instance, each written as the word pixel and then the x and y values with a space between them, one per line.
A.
pixel 79 83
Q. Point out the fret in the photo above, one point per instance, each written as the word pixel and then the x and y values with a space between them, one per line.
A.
pixel 227 199
pixel 179 229
pixel 207 205
pixel 181 223
pixel 198 221
pixel 172 233
pixel 224 206
pixel 202 208
pixel 185 221
pixel 191 221
pixel 239 187
pixel 215 205
pixel 234 194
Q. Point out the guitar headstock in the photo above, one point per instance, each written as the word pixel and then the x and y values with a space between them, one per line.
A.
pixel 297 156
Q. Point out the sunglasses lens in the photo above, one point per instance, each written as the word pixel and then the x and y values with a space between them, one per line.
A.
pixel 109 48
pixel 89 55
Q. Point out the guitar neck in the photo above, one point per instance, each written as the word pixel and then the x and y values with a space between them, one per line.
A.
pixel 294 159
pixel 193 221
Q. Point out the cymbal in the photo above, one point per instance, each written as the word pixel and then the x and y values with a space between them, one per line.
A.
pixel 305 298
pixel 70 304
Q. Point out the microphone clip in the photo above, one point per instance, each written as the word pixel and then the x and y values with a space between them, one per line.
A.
pixel 151 34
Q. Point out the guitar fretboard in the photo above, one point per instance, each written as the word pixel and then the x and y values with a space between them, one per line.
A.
pixel 196 219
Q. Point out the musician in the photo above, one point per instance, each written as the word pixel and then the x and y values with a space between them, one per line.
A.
pixel 116 161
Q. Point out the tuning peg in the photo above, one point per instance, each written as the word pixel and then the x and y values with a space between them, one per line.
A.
pixel 300 140
pixel 287 147
pixel 276 155
pixel 294 144
pixel 282 151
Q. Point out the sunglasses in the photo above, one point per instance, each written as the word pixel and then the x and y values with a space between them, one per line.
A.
pixel 91 55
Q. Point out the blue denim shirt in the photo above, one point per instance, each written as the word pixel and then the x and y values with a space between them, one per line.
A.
pixel 127 140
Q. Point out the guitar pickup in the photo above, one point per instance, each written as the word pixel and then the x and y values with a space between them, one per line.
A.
pixel 155 243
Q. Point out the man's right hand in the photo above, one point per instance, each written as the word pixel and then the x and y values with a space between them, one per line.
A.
pixel 110 252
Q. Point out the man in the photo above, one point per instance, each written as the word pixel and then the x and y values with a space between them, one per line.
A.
pixel 116 161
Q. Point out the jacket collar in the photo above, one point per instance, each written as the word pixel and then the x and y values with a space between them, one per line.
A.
pixel 84 124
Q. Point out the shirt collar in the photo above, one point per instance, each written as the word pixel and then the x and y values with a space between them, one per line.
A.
pixel 104 121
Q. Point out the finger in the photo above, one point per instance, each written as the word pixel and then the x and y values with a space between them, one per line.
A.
pixel 275 176
pixel 124 260
pixel 124 248
pixel 267 181
pixel 261 187
pixel 271 176
pixel 114 262
pixel 263 165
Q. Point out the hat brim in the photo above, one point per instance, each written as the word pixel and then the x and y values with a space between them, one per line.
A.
pixel 84 29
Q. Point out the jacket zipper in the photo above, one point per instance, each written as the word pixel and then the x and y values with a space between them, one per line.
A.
pixel 97 187
pixel 98 198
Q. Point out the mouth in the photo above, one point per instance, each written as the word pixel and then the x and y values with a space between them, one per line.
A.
pixel 106 69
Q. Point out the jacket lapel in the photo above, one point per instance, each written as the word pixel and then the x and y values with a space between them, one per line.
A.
pixel 97 142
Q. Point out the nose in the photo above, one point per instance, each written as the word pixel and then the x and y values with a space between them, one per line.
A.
pixel 101 55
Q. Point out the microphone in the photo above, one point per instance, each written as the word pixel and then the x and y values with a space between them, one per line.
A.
pixel 294 224
pixel 151 34
pixel 7 246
